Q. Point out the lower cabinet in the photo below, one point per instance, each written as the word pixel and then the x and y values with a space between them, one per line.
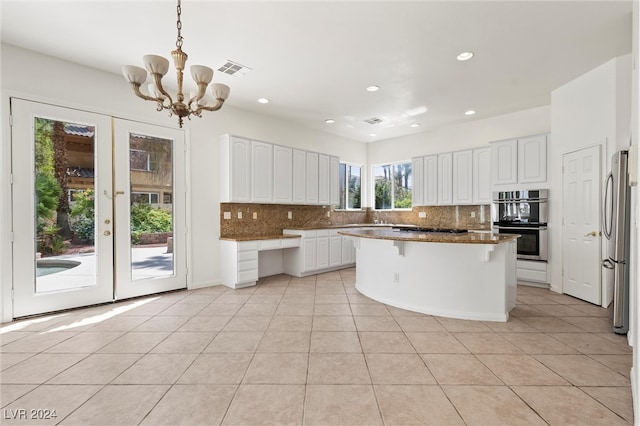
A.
pixel 531 270
pixel 320 251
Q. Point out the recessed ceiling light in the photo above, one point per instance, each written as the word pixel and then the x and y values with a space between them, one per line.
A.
pixel 329 121
pixel 372 134
pixel 373 88
pixel 470 112
pixel 263 100
pixel 415 125
pixel 464 56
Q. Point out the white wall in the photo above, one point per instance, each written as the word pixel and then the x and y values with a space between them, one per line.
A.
pixel 593 109
pixel 470 134
pixel 75 86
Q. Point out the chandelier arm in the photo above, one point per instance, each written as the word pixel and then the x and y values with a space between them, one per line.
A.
pixel 202 90
pixel 215 107
pixel 157 78
pixel 138 92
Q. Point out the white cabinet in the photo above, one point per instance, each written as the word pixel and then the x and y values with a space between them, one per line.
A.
pixel 282 174
pixel 311 178
pixel 310 253
pixel 261 172
pixel 299 175
pixel 334 181
pixel 462 181
pixel 239 263
pixel 445 175
pixel 417 169
pixel 323 249
pixel 522 160
pixel 531 270
pixel 430 180
pixel 335 248
pixel 235 169
pixel 482 176
pixel 348 251
pixel 324 167
pixel 504 162
pixel 532 159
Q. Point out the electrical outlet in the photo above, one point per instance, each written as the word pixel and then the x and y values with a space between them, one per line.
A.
pixel 255 215
pixel 289 215
pixel 329 213
pixel 227 215
pixel 239 215
pixel 422 215
pixel 473 214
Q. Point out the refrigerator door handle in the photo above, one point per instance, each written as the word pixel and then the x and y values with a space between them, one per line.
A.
pixel 607 226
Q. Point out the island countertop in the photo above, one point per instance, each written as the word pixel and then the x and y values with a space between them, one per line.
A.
pixel 431 237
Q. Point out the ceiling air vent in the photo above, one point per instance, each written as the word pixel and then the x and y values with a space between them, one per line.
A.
pixel 234 68
pixel 374 120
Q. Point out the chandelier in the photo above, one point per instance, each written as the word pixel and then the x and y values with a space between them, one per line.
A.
pixel 158 67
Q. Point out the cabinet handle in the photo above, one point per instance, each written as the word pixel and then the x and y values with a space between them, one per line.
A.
pixel 593 234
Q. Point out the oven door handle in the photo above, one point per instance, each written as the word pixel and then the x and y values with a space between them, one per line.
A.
pixel 521 200
pixel 528 228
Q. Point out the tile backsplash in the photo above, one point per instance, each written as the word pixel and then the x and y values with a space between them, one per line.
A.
pixel 271 219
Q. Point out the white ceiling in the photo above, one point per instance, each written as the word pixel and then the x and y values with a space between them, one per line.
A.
pixel 314 59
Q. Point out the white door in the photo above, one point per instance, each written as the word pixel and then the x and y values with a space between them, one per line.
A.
pixel 150 255
pixel 581 245
pixel 62 159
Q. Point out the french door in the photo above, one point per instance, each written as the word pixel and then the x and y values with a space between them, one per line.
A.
pixel 98 208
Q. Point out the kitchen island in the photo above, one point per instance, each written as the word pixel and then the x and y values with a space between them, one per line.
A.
pixel 465 275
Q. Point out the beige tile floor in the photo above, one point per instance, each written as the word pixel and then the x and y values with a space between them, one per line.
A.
pixel 314 351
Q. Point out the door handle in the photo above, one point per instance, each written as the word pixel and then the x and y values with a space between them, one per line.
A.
pixel 593 234
pixel 607 263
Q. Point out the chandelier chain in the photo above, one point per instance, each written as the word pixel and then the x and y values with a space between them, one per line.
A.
pixel 179 26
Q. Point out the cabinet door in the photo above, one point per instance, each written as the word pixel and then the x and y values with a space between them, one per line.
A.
pixel 430 180
pixel 462 177
pixel 282 174
pixel 348 256
pixel 311 178
pixel 445 175
pixel 309 245
pixel 323 253
pixel 299 177
pixel 504 162
pixel 417 168
pixel 334 181
pixel 532 159
pixel 239 176
pixel 482 176
pixel 261 172
pixel 335 251
pixel 324 166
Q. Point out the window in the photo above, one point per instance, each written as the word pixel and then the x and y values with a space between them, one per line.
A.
pixel 350 183
pixel 392 186
pixel 139 160
pixel 145 197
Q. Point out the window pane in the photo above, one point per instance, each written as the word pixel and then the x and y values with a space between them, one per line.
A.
pixel 382 189
pixel 343 186
pixel 354 187
pixel 402 186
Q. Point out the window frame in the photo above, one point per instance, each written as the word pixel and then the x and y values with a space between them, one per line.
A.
pixel 346 189
pixel 393 165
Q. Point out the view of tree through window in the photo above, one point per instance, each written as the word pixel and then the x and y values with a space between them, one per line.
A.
pixel 350 182
pixel 392 186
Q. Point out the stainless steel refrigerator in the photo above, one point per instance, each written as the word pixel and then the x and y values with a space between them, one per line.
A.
pixel 615 225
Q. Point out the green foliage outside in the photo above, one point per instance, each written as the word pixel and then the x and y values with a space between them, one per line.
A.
pixel 49 241
pixel 147 219
pixel 82 216
pixel 47 195
pixel 354 192
pixel 383 194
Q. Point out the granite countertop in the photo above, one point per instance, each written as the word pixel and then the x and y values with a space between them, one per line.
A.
pixel 257 237
pixel 432 237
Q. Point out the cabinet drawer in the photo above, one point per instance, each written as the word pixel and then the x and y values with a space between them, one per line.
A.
pixel 269 244
pixel 247 276
pixel 247 245
pixel 290 242
pixel 247 255
pixel 247 265
pixel 322 233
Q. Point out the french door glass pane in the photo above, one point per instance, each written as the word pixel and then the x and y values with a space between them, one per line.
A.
pixel 64 159
pixel 151 206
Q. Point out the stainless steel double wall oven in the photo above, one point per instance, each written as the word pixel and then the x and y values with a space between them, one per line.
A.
pixel 525 213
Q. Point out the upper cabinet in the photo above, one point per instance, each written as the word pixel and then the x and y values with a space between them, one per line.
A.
pixel 522 160
pixel 417 169
pixel 261 172
pixel 445 179
pixel 235 169
pixel 482 176
pixel 430 180
pixel 463 177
